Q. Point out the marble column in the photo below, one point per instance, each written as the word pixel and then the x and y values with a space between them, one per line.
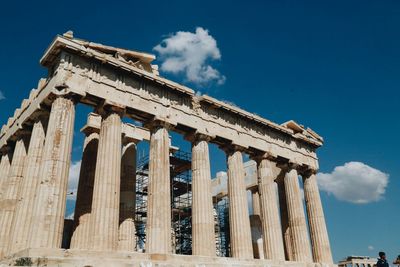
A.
pixel 22 220
pixel 239 222
pixel 203 233
pixel 158 226
pixel 106 192
pixel 319 235
pixel 301 249
pixel 127 230
pixel 285 220
pixel 50 201
pixel 271 224
pixel 10 194
pixel 4 168
pixel 81 235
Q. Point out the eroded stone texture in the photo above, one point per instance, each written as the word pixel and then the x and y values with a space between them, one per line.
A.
pixel 239 223
pixel 316 220
pixel 48 218
pixel 83 207
pixel 203 234
pixel 4 168
pixel 10 194
pixel 21 226
pixel 106 192
pixel 300 244
pixel 158 226
pixel 127 231
pixel 271 225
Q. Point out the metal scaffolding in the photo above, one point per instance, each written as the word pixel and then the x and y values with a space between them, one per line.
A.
pixel 181 201
pixel 222 235
pixel 181 207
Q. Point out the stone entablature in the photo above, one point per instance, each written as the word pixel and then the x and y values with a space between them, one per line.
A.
pixel 94 76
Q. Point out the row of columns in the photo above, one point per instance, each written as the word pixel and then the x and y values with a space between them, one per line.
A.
pixel 36 184
pixel 33 190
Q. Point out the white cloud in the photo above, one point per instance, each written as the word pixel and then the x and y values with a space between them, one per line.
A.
pixel 354 182
pixel 73 179
pixel 2 95
pixel 190 53
pixel 370 248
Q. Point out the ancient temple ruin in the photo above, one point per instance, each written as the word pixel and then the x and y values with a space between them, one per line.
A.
pixel 36 144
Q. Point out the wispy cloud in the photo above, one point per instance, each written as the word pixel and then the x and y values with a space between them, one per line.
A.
pixel 371 248
pixel 355 182
pixel 2 95
pixel 191 54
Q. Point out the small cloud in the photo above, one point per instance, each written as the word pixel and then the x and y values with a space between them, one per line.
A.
pixel 355 182
pixel 190 54
pixel 73 180
pixel 370 248
pixel 2 95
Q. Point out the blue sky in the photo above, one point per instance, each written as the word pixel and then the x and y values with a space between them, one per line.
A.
pixel 330 65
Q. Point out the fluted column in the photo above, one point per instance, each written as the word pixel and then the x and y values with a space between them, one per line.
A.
pixel 4 168
pixel 319 235
pixel 239 222
pixel 22 220
pixel 106 192
pixel 271 224
pixel 48 218
pixel 10 193
pixel 158 226
pixel 203 234
pixel 301 250
pixel 127 230
pixel 285 220
pixel 81 236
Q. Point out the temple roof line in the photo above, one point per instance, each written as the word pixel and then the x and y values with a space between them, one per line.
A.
pixel 102 53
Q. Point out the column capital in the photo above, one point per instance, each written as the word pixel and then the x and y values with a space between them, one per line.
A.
pixel 231 148
pixel 259 156
pixel 198 136
pixel 157 123
pixel 306 172
pixel 107 107
pixel 62 92
pixel 287 166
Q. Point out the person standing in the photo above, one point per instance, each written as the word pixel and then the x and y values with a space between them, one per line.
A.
pixel 382 262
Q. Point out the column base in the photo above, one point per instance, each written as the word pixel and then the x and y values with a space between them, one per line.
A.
pixel 71 257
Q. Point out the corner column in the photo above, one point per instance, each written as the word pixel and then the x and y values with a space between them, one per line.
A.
pixel 81 237
pixel 11 188
pixel 106 192
pixel 50 201
pixel 240 232
pixel 271 225
pixel 158 226
pixel 22 220
pixel 300 246
pixel 319 235
pixel 203 233
pixel 127 230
